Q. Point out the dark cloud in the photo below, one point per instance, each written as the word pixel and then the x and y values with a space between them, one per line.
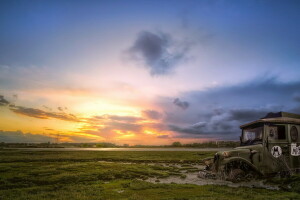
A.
pixel 297 98
pixel 244 115
pixel 158 52
pixel 219 111
pixel 221 125
pixel 40 114
pixel 182 104
pixel 20 137
pixel 60 109
pixel 152 114
pixel 202 132
pixel 3 101
pixel 187 129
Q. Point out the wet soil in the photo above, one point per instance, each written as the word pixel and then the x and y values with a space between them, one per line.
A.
pixel 189 175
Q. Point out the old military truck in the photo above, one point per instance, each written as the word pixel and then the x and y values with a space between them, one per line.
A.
pixel 269 146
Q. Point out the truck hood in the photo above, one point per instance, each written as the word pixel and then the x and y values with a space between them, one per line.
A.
pixel 239 150
pixel 256 146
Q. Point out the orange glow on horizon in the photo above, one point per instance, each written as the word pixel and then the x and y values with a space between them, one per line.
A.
pixel 99 120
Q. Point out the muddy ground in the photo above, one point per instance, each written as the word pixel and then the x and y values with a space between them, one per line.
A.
pixel 189 175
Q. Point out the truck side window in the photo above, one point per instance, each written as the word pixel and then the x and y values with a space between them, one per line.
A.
pixel 281 133
pixel 277 132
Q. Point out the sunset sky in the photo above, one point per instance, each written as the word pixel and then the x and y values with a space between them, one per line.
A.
pixel 145 72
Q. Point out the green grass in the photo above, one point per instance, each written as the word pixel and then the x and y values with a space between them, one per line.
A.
pixel 80 175
pixel 123 156
pixel 135 189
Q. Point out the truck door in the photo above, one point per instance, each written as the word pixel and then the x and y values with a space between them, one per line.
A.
pixel 278 148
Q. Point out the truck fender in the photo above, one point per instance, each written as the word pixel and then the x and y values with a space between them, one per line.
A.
pixel 235 159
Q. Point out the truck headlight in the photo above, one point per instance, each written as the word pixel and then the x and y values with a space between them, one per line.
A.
pixel 226 154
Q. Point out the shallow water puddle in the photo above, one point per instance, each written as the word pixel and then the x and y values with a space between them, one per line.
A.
pixel 192 178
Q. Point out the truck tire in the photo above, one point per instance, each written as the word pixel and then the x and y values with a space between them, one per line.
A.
pixel 236 175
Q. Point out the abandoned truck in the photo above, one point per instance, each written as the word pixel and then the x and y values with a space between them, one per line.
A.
pixel 269 146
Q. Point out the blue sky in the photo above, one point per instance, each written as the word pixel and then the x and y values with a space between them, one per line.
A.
pixel 192 63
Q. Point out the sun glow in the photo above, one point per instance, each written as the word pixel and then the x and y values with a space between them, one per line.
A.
pixel 150 132
pixel 100 107
pixel 124 134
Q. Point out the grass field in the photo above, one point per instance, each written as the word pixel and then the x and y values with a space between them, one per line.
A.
pixel 114 175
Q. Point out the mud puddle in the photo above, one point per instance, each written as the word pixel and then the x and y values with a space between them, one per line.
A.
pixel 189 175
pixel 192 178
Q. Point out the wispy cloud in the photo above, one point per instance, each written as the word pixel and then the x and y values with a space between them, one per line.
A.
pixel 40 114
pixel 3 101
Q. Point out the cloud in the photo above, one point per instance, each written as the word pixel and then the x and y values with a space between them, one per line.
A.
pixel 187 129
pixel 37 113
pixel 245 115
pixel 126 119
pixel 20 137
pixel 40 114
pixel 47 108
pixel 182 104
pixel 3 101
pixel 106 124
pixel 124 126
pixel 158 52
pixel 163 136
pixel 297 98
pixel 219 111
pixel 61 109
pixel 152 114
pixel 114 127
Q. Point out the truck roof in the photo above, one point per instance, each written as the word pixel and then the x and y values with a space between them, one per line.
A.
pixel 280 117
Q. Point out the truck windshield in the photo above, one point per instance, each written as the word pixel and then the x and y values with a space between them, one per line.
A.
pixel 252 136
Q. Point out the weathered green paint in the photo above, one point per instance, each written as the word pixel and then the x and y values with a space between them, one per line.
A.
pixel 259 156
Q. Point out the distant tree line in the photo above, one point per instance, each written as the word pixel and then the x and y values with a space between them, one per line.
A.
pixel 210 144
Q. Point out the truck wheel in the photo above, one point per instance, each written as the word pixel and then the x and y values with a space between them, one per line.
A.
pixel 236 175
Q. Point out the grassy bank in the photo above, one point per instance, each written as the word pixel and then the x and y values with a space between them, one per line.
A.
pixel 83 175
